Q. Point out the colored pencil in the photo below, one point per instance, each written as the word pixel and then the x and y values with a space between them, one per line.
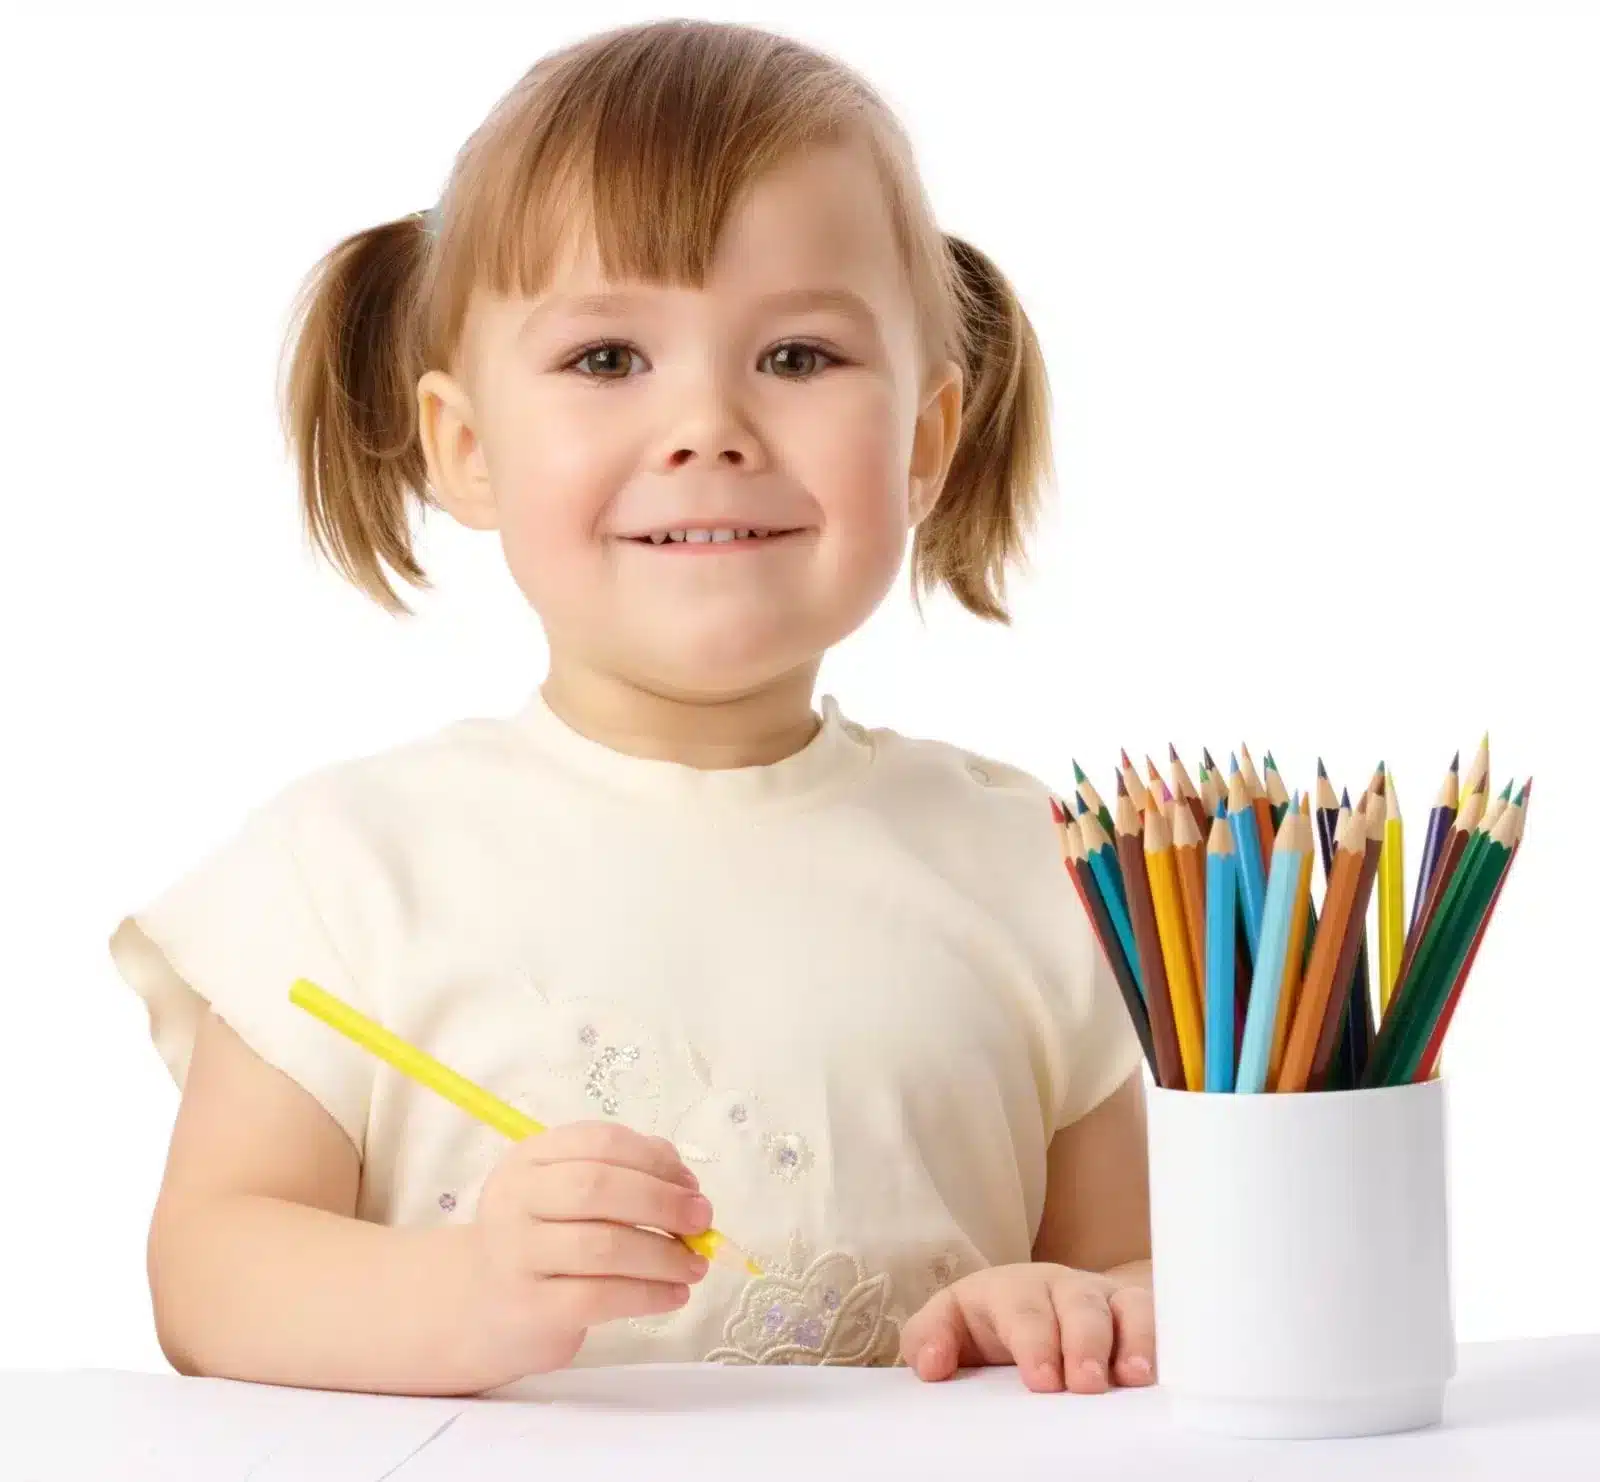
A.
pixel 1258 800
pixel 1444 950
pixel 1391 893
pixel 1211 790
pixel 1326 1050
pixel 1294 960
pixel 1183 787
pixel 1461 834
pixel 1221 937
pixel 1430 1055
pixel 1278 799
pixel 1142 913
pixel 457 1089
pixel 1136 789
pixel 1247 848
pixel 1316 990
pixel 1477 775
pixel 1093 799
pixel 1440 818
pixel 1188 859
pixel 1266 986
pixel 1107 873
pixel 1094 906
pixel 1175 950
pixel 1358 1028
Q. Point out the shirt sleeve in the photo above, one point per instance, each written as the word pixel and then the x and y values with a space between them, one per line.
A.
pixel 231 935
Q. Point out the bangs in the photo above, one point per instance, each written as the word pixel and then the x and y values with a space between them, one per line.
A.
pixel 641 152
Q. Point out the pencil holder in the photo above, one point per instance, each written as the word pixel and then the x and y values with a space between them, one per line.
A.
pixel 1302 1265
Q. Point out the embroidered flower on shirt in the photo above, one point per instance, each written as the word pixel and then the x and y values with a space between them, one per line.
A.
pixel 825 1311
pixel 602 1054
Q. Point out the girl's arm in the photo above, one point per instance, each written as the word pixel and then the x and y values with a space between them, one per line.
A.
pixel 1097 1196
pixel 260 1271
pixel 258 1268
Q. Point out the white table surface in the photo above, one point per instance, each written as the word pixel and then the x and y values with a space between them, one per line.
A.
pixel 1523 1410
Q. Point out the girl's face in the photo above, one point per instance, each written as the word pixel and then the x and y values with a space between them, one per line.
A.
pixel 701 491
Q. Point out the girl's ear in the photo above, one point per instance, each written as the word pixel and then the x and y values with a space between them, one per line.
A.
pixel 457 471
pixel 934 440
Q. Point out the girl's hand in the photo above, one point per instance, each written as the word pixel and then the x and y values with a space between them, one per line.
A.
pixel 560 1243
pixel 1060 1327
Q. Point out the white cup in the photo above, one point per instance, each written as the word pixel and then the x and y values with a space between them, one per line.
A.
pixel 1302 1259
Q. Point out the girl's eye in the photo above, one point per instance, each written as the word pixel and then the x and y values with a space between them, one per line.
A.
pixel 606 357
pixel 794 360
pixel 801 359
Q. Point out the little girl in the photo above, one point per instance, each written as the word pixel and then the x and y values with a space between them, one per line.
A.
pixel 683 332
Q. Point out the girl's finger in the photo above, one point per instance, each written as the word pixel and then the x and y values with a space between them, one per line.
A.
pixel 603 1191
pixel 931 1342
pixel 1027 1325
pixel 1134 1351
pixel 593 1248
pixel 1086 1335
pixel 608 1142
pixel 570 1302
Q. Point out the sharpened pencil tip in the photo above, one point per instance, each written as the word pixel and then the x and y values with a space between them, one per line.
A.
pixel 1122 785
pixel 1125 761
pixel 1172 751
pixel 1233 763
pixel 1344 798
pixel 1322 771
pixel 1077 774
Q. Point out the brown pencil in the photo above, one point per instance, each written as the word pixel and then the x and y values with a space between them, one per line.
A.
pixel 1316 988
pixel 1142 917
pixel 1477 778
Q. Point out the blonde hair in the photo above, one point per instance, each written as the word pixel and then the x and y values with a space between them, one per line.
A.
pixel 646 133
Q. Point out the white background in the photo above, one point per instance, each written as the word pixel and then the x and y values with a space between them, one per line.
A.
pixel 1318 292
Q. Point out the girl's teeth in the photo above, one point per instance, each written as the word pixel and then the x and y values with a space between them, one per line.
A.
pixel 659 538
pixel 722 535
pixel 703 537
pixel 697 537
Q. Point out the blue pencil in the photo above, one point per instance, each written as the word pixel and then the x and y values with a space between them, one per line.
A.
pixel 1247 849
pixel 1108 876
pixel 1221 891
pixel 1288 853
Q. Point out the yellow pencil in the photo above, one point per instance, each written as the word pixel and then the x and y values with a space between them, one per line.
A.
pixel 1175 953
pixel 472 1099
pixel 1391 893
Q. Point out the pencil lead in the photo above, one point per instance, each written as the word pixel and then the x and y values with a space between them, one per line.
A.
pixel 1077 773
pixel 1122 786
pixel 1083 806
pixel 1172 751
pixel 1322 771
pixel 1057 812
pixel 1233 763
pixel 1205 756
pixel 1506 795
pixel 1344 798
pixel 1125 761
pixel 1455 763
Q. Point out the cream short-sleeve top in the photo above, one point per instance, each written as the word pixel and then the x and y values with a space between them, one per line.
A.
pixel 855 988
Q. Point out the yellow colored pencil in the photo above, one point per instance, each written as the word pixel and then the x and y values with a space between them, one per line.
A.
pixel 1391 893
pixel 472 1099
pixel 1175 953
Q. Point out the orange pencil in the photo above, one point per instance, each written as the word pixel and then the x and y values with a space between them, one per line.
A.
pixel 1136 789
pixel 1183 788
pixel 1316 987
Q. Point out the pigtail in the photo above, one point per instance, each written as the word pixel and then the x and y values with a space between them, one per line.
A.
pixel 349 404
pixel 991 495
